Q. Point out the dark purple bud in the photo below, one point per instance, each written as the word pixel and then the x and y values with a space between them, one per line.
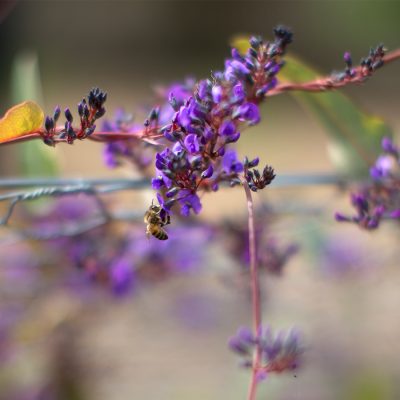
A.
pixel 49 141
pixel 249 64
pixel 86 111
pixel 246 335
pixel 253 163
pixel 274 70
pixel 207 173
pixel 172 192
pixel 341 218
pixel 214 187
pixel 160 164
pixel 253 53
pixel 154 114
pixel 49 123
pixel 360 202
pixel 235 54
pixel 100 112
pixel 221 151
pixel 90 130
pixel 237 346
pixel 170 137
pixel 255 42
pixel 57 112
pixel 253 187
pixel 377 64
pixel 284 34
pixel 80 109
pixel 68 115
pixel 347 59
pixel 233 138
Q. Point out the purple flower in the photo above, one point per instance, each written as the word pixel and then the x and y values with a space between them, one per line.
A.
pixel 192 143
pixel 239 92
pixel 235 69
pixel 188 201
pixel 280 353
pixel 207 173
pixel 183 117
pixel 217 93
pixel 227 128
pixel 157 183
pixel 248 112
pixel 230 162
pixel 383 167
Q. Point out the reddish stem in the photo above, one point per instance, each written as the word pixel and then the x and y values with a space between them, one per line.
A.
pixel 327 83
pixel 255 291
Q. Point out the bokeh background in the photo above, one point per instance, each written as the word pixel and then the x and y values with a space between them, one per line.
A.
pixel 168 340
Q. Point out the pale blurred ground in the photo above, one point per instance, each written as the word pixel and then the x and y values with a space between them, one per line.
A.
pixel 168 342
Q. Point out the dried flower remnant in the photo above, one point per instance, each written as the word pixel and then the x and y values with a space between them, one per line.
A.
pixel 380 199
pixel 280 352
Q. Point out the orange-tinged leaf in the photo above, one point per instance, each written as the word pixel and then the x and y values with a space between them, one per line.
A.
pixel 20 120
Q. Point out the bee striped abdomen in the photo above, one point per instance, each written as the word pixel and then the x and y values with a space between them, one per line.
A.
pixel 160 235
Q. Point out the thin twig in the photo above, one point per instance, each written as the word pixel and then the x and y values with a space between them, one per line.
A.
pixel 17 197
pixel 122 183
pixel 282 180
pixel 328 83
pixel 255 291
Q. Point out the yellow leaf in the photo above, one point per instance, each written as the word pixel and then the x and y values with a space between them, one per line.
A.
pixel 20 120
pixel 241 43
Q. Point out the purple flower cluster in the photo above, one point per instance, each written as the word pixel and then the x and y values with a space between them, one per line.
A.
pixel 381 198
pixel 90 109
pixel 272 255
pixel 280 352
pixel 138 152
pixel 118 259
pixel 204 124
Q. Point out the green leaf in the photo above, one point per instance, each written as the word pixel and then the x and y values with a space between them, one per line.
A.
pixel 355 135
pixel 35 158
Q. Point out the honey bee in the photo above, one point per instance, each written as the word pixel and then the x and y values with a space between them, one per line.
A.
pixel 156 218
